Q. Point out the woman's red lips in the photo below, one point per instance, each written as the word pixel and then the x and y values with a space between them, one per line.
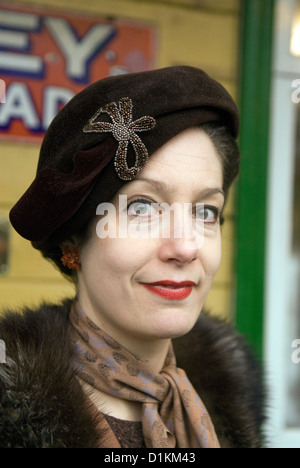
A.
pixel 171 289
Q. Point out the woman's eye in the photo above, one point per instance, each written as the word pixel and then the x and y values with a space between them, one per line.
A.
pixel 208 214
pixel 140 208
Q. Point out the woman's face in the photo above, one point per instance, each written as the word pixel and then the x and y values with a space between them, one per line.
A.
pixel 138 287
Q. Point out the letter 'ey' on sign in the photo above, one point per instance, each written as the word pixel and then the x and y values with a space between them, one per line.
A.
pixel 47 56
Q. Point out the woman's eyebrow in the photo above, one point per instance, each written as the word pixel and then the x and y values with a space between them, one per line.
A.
pixel 167 189
pixel 159 185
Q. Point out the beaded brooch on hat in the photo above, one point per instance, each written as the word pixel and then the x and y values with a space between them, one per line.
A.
pixel 124 131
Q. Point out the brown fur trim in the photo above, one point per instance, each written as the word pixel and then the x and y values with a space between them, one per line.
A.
pixel 42 404
pixel 223 369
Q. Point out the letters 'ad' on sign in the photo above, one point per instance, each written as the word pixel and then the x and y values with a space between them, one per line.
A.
pixel 46 56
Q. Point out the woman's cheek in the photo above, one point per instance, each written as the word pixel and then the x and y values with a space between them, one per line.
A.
pixel 124 255
pixel 211 255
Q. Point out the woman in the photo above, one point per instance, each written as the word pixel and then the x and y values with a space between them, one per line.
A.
pixel 125 164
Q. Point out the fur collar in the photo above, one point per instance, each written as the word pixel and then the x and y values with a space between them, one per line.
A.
pixel 43 406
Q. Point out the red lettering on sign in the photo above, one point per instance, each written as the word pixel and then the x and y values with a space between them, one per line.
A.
pixel 47 56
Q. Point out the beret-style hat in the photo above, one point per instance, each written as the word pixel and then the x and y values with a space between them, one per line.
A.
pixel 104 136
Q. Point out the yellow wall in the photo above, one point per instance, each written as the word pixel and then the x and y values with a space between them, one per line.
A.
pixel 202 33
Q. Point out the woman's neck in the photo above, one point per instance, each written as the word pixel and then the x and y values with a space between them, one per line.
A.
pixel 152 352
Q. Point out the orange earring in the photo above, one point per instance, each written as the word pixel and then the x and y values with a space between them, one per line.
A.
pixel 70 257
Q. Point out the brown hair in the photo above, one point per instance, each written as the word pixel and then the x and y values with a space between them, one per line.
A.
pixel 228 151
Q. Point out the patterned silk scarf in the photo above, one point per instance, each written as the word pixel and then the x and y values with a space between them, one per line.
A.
pixel 173 415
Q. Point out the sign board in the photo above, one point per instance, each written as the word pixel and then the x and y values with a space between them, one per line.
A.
pixel 47 56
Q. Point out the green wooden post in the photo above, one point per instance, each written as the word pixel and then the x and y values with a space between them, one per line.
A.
pixel 255 84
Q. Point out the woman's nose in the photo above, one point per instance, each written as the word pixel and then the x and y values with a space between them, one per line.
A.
pixel 182 242
pixel 180 251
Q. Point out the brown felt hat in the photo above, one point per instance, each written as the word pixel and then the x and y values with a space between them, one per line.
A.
pixel 104 136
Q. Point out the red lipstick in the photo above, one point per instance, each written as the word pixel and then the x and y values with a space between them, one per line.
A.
pixel 170 289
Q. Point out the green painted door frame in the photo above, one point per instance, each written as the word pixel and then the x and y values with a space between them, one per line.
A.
pixel 255 84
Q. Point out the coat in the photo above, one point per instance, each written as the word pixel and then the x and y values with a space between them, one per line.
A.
pixel 42 404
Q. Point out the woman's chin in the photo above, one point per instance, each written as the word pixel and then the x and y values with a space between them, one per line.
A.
pixel 174 327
